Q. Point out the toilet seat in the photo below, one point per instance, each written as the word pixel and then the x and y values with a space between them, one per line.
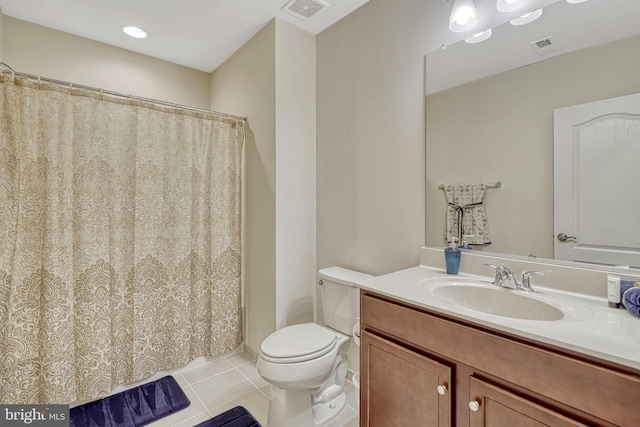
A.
pixel 298 343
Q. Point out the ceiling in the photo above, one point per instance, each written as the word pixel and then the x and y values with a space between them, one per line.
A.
pixel 571 27
pixel 202 34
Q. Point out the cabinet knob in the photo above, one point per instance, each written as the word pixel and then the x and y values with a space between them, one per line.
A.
pixel 474 406
pixel 442 390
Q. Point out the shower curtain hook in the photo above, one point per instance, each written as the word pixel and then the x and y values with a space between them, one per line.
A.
pixel 13 73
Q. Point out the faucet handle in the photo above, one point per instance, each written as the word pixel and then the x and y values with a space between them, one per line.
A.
pixel 501 272
pixel 526 284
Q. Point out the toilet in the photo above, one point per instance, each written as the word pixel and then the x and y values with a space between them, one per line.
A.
pixel 306 364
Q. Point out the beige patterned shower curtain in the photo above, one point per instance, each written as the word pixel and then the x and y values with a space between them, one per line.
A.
pixel 119 240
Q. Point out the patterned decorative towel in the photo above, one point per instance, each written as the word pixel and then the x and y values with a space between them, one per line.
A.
pixel 135 407
pixel 466 214
pixel 235 417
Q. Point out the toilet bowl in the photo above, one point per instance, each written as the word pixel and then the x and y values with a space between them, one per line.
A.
pixel 306 364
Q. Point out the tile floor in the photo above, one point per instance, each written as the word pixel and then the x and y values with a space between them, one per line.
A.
pixel 220 383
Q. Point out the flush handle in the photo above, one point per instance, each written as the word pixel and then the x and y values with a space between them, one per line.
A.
pixel 563 237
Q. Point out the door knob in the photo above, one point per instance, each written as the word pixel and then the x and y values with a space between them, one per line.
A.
pixel 563 237
pixel 474 406
pixel 442 390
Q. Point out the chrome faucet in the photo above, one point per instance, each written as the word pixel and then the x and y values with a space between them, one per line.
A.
pixel 504 273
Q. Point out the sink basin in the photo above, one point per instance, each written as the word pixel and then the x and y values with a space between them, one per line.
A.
pixel 497 301
pixel 483 297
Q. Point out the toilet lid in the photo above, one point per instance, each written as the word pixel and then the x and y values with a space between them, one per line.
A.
pixel 301 342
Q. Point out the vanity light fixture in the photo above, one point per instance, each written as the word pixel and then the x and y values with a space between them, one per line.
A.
pixel 480 37
pixel 464 16
pixel 135 32
pixel 527 17
pixel 511 5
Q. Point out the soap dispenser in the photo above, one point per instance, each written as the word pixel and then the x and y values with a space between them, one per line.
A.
pixel 452 257
pixel 465 242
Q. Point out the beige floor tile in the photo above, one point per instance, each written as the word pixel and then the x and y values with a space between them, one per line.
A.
pixel 239 359
pixel 350 390
pixel 222 388
pixel 251 372
pixel 195 408
pixel 207 370
pixel 266 390
pixel 348 418
pixel 255 402
pixel 194 420
pixel 182 381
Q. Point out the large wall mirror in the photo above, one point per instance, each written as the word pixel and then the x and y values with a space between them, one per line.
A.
pixel 490 117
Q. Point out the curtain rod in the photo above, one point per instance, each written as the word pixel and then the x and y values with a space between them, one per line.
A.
pixel 489 185
pixel 118 94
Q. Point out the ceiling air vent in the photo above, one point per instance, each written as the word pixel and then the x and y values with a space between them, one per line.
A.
pixel 545 46
pixel 304 9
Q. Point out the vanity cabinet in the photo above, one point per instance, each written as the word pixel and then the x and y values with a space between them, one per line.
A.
pixel 488 378
pixel 404 388
pixel 497 407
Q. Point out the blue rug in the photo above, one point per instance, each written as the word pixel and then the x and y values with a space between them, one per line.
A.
pixel 132 408
pixel 236 417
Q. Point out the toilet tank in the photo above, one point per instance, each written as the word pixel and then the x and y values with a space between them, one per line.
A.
pixel 340 298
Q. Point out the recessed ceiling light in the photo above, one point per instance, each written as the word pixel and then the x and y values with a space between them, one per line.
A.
pixel 480 37
pixel 527 18
pixel 135 32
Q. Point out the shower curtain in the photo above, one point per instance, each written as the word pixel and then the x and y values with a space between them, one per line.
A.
pixel 119 240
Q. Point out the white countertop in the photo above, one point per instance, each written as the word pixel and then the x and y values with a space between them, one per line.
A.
pixel 594 329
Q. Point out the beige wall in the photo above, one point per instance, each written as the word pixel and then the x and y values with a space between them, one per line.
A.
pixel 42 51
pixel 501 128
pixel 271 80
pixel 1 35
pixel 295 174
pixel 245 84
pixel 370 138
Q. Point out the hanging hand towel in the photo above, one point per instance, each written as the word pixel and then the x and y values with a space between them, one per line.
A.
pixel 466 214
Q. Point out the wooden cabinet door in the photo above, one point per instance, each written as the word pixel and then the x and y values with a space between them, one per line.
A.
pixel 492 406
pixel 400 387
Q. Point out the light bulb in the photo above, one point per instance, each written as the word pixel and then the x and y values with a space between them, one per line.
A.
pixel 463 16
pixel 480 37
pixel 510 5
pixel 527 17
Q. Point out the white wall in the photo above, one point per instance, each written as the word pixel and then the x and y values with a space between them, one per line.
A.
pixel 501 128
pixel 34 49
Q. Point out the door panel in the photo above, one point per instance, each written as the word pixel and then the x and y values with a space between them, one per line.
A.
pixel 596 195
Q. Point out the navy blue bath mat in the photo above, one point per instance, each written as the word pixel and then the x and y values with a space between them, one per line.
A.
pixel 136 407
pixel 235 417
